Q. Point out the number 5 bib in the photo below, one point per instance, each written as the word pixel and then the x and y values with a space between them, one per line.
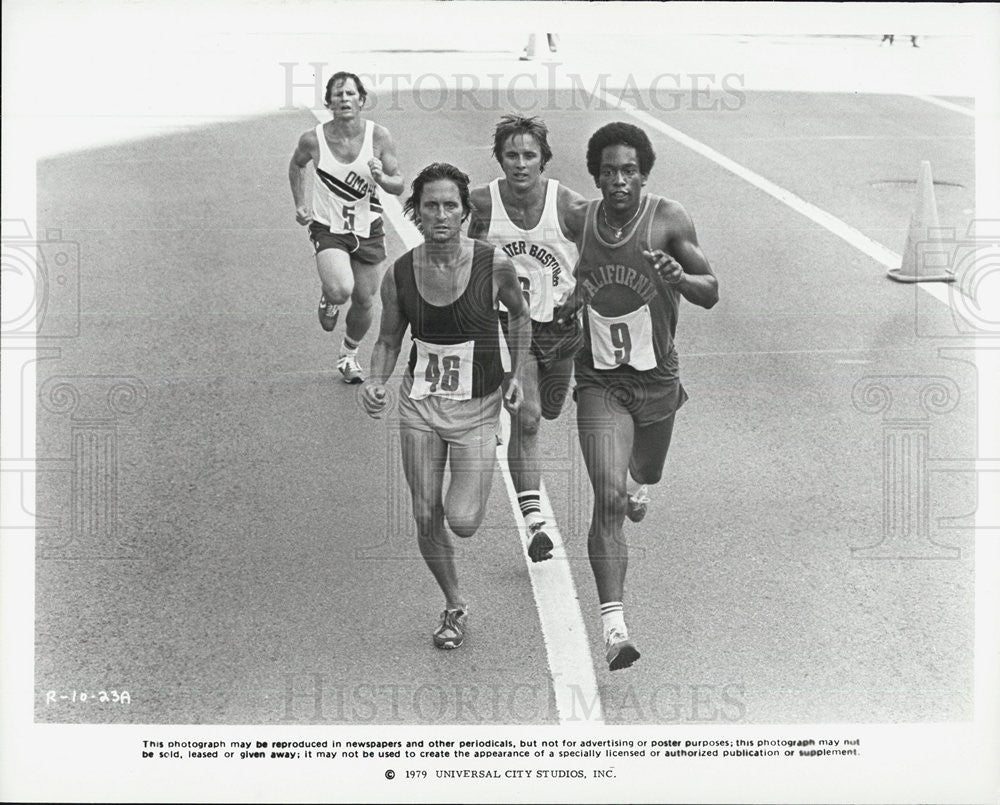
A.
pixel 622 340
pixel 443 370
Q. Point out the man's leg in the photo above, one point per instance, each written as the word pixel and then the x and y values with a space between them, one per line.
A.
pixel 469 488
pixel 605 430
pixel 649 452
pixel 553 386
pixel 606 434
pixel 367 277
pixel 337 279
pixel 522 459
pixel 424 455
pixel 359 317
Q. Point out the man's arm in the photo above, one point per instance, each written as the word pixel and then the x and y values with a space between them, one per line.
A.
pixel 482 211
pixel 385 166
pixel 508 291
pixel 392 327
pixel 304 151
pixel 572 208
pixel 678 257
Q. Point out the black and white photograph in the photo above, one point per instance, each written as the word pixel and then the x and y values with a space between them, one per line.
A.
pixel 458 400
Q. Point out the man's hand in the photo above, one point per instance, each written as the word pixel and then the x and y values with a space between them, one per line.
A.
pixel 375 166
pixel 568 311
pixel 374 398
pixel 667 267
pixel 303 216
pixel 513 394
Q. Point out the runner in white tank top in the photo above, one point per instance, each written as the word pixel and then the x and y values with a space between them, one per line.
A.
pixel 353 159
pixel 543 256
pixel 531 219
pixel 344 196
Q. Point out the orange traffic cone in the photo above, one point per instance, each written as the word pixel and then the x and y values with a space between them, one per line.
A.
pixel 924 229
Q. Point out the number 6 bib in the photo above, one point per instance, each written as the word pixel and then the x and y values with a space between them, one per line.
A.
pixel 622 340
pixel 443 370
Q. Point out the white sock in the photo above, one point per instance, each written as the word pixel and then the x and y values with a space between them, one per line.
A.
pixel 613 618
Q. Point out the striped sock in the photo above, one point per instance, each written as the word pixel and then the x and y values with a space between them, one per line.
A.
pixel 349 347
pixel 613 618
pixel 531 507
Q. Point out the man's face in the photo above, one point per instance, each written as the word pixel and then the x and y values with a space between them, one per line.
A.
pixel 619 178
pixel 345 101
pixel 521 161
pixel 441 211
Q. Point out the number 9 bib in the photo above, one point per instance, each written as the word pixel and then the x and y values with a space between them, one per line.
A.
pixel 622 340
pixel 443 370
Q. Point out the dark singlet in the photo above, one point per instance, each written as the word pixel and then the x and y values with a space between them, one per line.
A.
pixel 629 313
pixel 456 350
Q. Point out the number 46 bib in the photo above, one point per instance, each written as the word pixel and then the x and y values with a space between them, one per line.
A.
pixel 443 370
pixel 622 340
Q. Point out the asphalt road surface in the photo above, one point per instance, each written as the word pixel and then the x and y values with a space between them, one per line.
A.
pixel 227 536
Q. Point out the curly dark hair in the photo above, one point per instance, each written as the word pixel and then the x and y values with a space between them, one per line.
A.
pixel 432 173
pixel 619 134
pixel 343 76
pixel 511 125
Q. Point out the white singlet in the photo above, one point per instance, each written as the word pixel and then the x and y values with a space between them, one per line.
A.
pixel 345 196
pixel 544 257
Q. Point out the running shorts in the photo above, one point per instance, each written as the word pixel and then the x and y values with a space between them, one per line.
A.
pixel 550 341
pixel 648 401
pixel 463 423
pixel 370 250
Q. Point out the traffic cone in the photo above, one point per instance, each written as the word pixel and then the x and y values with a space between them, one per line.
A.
pixel 924 229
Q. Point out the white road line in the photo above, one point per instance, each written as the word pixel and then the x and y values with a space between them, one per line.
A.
pixel 953 107
pixel 563 632
pixel 845 231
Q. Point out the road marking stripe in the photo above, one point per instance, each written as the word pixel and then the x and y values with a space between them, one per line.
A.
pixel 563 632
pixel 563 629
pixel 953 107
pixel 845 231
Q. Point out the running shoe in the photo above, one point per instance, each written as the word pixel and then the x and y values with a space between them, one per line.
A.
pixel 328 314
pixel 540 546
pixel 349 368
pixel 451 631
pixel 638 503
pixel 619 651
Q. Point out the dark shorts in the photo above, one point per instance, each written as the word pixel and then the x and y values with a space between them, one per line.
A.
pixel 647 401
pixel 550 342
pixel 369 250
